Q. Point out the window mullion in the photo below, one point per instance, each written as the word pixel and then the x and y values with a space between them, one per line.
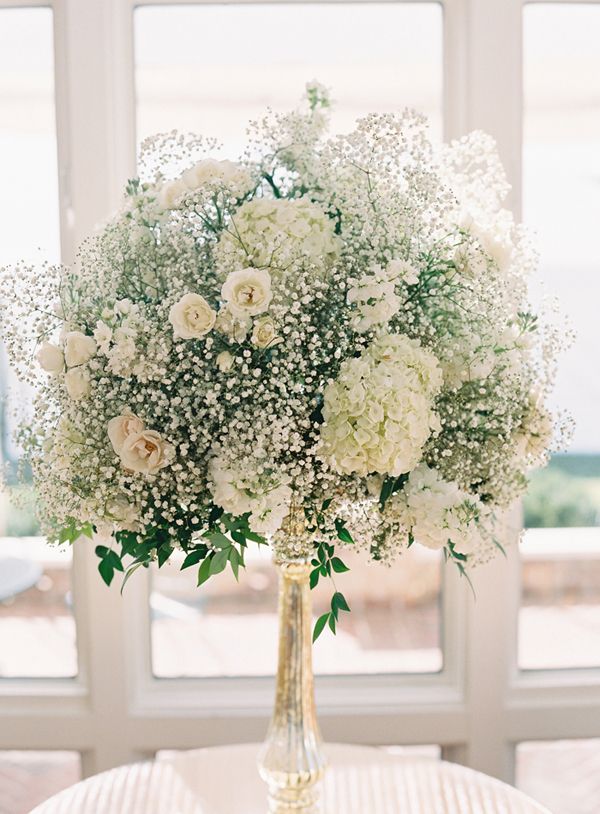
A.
pixel 483 91
pixel 93 158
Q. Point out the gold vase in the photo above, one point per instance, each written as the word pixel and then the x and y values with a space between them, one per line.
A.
pixel 291 760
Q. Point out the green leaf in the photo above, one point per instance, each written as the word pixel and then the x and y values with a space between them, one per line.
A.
pixel 87 530
pixel 326 504
pixel 464 574
pixel 235 561
pixel 107 572
pixel 332 623
pixel 114 560
pixel 204 570
pixel 386 491
pixel 215 513
pixel 129 573
pixel 314 578
pixel 194 557
pixel 338 566
pixel 319 626
pixel 64 536
pixel 322 554
pixel 101 551
pixel 219 562
pixel 232 523
pixel 164 552
pixel 338 601
pixel 256 538
pixel 411 539
pixel 218 539
pixel 342 532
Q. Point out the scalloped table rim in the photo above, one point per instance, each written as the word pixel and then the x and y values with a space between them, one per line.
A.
pixel 224 780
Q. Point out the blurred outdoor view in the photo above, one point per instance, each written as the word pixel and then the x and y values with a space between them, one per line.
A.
pixel 559 623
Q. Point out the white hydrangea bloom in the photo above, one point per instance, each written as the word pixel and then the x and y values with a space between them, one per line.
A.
pixel 238 489
pixel 378 414
pixel 436 512
pixel 274 232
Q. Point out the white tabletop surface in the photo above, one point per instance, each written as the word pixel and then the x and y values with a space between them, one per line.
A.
pixel 224 780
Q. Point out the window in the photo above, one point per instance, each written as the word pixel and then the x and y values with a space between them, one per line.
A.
pixel 199 67
pixel 382 57
pixel 29 778
pixel 420 662
pixel 37 630
pixel 393 628
pixel 560 614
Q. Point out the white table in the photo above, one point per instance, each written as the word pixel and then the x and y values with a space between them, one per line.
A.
pixel 224 780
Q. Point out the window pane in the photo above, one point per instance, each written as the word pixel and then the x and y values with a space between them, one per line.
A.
pixel 560 618
pixel 226 628
pixel 562 775
pixel 37 632
pixel 559 622
pixel 37 629
pixel 198 68
pixel 28 170
pixel 29 778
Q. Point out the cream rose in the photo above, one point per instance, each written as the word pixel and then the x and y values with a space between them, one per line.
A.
pixel 79 348
pixel 77 382
pixel 192 317
pixel 247 292
pixel 121 427
pixel 170 193
pixel 224 361
pixel 146 452
pixel 264 334
pixel 218 173
pixel 50 358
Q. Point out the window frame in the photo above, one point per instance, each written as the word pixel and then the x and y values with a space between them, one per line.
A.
pixel 114 712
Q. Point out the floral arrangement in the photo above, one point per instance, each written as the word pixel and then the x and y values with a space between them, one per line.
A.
pixel 327 343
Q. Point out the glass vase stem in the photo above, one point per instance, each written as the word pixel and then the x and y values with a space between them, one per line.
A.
pixel 291 760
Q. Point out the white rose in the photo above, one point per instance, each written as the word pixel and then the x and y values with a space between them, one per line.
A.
pixel 224 361
pixel 146 452
pixel 121 427
pixel 264 334
pixel 192 317
pixel 79 348
pixel 50 358
pixel 222 173
pixel 77 382
pixel 170 193
pixel 247 292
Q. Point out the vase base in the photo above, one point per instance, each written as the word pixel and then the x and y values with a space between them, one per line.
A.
pixel 295 801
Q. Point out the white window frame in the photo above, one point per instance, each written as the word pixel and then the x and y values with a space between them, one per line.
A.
pixel 114 712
